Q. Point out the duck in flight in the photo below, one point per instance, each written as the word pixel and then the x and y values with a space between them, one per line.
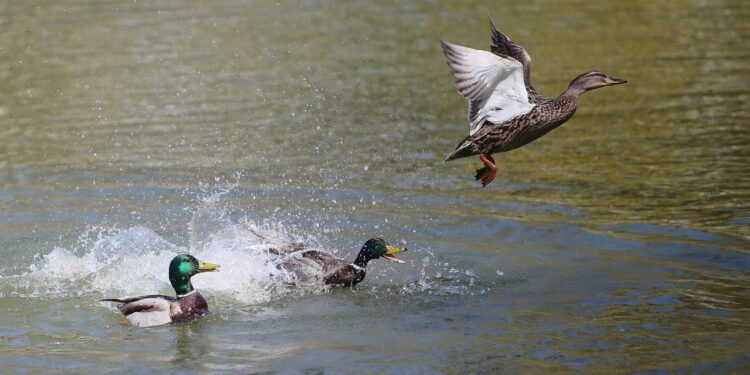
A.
pixel 505 112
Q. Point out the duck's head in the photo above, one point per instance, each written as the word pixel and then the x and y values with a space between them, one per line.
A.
pixel 593 80
pixel 182 268
pixel 376 248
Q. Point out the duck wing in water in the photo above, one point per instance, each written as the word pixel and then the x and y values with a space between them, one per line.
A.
pixel 311 266
pixel 280 246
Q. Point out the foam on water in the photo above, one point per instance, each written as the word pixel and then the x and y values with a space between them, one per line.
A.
pixel 134 262
pixel 112 262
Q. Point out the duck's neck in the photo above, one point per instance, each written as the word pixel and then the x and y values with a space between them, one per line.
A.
pixel 361 260
pixel 573 92
pixel 567 102
pixel 181 285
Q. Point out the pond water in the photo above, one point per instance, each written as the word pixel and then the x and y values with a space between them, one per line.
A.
pixel 132 131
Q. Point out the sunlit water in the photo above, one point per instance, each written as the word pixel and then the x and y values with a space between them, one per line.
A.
pixel 131 132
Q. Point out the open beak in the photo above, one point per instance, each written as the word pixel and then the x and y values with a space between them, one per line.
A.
pixel 207 267
pixel 615 81
pixel 390 251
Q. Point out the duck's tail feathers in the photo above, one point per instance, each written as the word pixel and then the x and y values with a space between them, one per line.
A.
pixel 464 149
pixel 450 157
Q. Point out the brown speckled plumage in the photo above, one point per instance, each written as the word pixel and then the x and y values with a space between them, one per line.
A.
pixel 308 266
pixel 546 114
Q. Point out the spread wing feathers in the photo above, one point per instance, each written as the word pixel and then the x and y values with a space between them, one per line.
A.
pixel 279 246
pixel 310 267
pixel 146 311
pixel 503 46
pixel 492 84
pixel 315 261
pixel 321 257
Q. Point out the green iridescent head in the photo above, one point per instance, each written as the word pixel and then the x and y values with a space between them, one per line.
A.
pixel 376 248
pixel 182 268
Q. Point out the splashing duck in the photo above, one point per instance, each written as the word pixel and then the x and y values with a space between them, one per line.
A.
pixel 309 266
pixel 505 111
pixel 154 310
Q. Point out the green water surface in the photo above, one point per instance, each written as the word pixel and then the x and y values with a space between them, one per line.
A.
pixel 617 243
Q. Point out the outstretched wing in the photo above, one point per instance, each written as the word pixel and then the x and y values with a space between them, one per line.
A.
pixel 503 46
pixel 492 84
pixel 146 311
pixel 310 267
pixel 280 246
pixel 327 261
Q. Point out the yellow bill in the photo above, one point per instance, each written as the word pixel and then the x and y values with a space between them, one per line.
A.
pixel 390 251
pixel 207 267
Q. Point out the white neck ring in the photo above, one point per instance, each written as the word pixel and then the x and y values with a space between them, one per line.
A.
pixel 186 294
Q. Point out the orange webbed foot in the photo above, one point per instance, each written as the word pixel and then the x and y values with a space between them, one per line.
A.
pixel 489 172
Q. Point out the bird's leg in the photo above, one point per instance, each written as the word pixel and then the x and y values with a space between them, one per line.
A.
pixel 488 173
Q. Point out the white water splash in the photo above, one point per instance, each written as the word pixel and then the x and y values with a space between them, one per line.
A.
pixel 111 262
pixel 135 261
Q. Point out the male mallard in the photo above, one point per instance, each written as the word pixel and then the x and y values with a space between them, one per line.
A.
pixel 310 266
pixel 505 112
pixel 153 310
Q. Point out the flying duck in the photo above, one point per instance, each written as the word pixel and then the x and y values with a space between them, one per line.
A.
pixel 505 111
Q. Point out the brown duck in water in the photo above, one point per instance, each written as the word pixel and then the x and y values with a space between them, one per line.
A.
pixel 154 310
pixel 505 112
pixel 309 266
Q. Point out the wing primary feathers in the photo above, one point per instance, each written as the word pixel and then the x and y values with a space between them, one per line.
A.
pixel 499 40
pixel 502 45
pixel 493 84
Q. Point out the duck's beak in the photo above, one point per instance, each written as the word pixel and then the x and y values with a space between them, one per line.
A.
pixel 615 81
pixel 207 267
pixel 390 251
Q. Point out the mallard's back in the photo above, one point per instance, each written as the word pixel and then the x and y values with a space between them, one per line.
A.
pixel 311 266
pixel 547 114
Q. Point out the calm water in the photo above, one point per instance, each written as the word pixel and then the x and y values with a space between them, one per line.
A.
pixel 130 132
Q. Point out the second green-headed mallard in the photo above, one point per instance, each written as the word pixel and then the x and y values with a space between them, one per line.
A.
pixel 306 265
pixel 505 112
pixel 153 310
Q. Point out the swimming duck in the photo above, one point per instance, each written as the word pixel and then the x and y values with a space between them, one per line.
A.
pixel 309 266
pixel 153 310
pixel 505 112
